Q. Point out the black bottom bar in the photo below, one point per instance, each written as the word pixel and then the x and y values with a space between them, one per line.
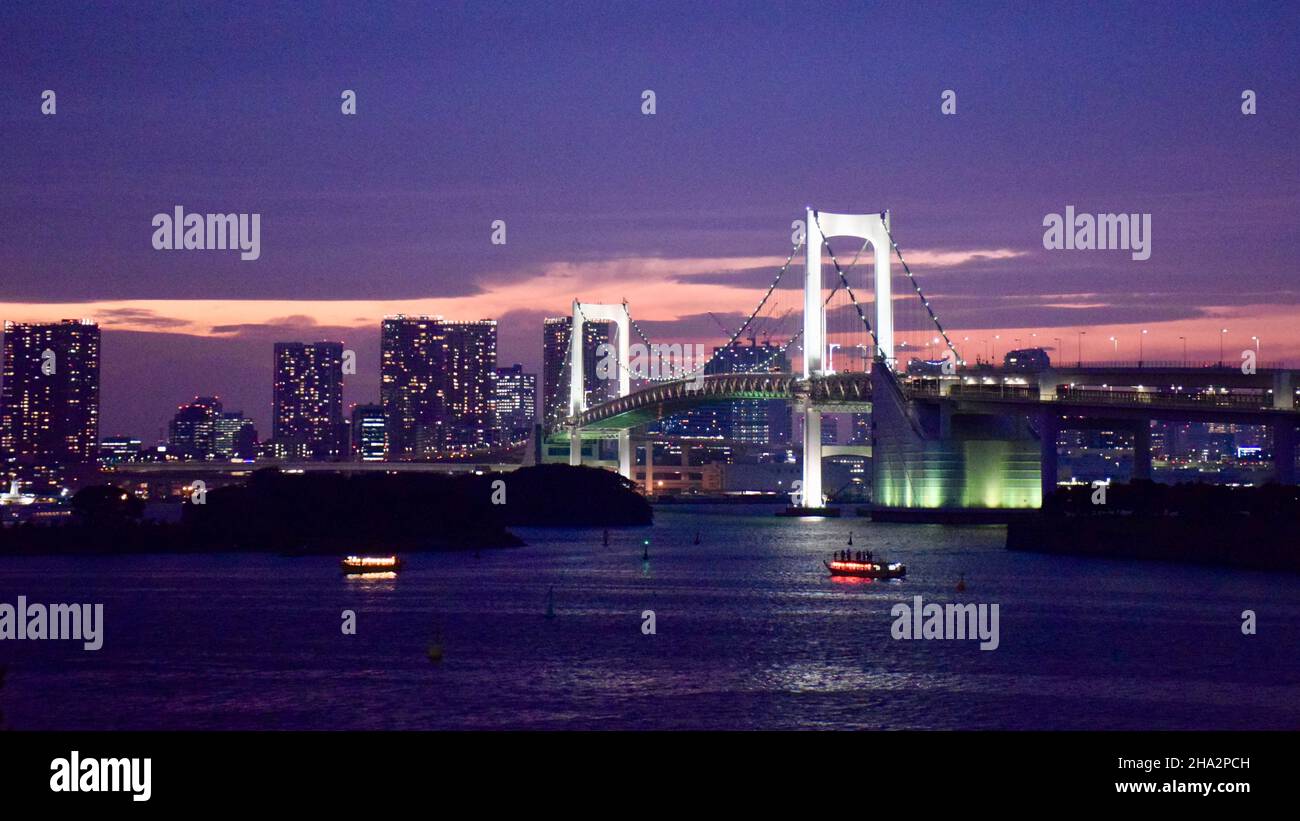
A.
pixel 545 772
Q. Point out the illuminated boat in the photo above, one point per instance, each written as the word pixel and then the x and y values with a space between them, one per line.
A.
pixel 371 564
pixel 866 570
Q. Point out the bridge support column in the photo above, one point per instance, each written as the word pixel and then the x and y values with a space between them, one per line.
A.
pixel 1049 431
pixel 625 454
pixel 811 489
pixel 649 483
pixel 1142 451
pixel 575 447
pixel 1047 382
pixel 1283 391
pixel 1284 441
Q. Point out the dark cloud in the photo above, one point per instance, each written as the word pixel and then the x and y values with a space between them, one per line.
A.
pixel 138 316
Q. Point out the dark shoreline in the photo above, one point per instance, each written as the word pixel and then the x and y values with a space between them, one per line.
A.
pixel 1238 544
pixel 1239 527
pixel 330 514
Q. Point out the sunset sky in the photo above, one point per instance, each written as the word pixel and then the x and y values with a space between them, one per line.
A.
pixel 531 113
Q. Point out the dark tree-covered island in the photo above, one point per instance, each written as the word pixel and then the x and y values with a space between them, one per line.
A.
pixel 1249 527
pixel 326 513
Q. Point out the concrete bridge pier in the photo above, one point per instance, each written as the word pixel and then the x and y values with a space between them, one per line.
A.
pixel 811 489
pixel 1284 442
pixel 1142 450
pixel 575 447
pixel 1047 382
pixel 650 467
pixel 1283 391
pixel 625 454
pixel 1049 429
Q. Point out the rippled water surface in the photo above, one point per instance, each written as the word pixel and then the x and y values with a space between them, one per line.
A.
pixel 751 633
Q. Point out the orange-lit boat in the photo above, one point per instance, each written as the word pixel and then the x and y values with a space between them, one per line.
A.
pixel 371 564
pixel 866 570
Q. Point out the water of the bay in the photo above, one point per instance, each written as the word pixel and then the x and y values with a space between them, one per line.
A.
pixel 750 632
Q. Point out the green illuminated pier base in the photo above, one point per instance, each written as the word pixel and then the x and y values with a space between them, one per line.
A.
pixel 932 464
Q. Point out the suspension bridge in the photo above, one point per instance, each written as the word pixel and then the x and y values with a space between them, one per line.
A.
pixel 951 441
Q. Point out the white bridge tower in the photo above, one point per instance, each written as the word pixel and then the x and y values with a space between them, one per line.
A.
pixel 873 228
pixel 593 312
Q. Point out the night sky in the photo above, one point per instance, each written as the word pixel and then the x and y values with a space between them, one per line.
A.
pixel 531 113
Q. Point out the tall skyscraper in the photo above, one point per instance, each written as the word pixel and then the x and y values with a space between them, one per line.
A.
pixel 308 413
pixel 555 376
pixel 471 383
pixel 437 381
pixel 516 404
pixel 234 436
pixel 369 433
pixel 49 403
pixel 192 433
pixel 411 384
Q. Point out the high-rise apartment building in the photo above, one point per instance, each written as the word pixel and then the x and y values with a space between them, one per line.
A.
pixel 192 433
pixel 49 403
pixel 555 374
pixel 234 436
pixel 471 356
pixel 369 433
pixel 308 401
pixel 516 404
pixel 437 385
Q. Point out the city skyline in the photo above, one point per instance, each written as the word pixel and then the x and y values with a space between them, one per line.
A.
pixel 689 207
pixel 377 369
pixel 353 390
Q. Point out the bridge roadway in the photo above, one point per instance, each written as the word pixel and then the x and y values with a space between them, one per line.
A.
pixel 1051 388
pixel 1111 404
pixel 837 393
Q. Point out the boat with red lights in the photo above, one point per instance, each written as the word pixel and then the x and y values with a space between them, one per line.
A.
pixel 867 569
pixel 371 564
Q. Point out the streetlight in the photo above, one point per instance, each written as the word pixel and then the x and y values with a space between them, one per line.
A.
pixel 1222 333
pixel 1256 341
pixel 830 360
pixel 1116 341
pixel 996 337
pixel 1057 349
pixel 1142 336
pixel 1081 334
pixel 1184 339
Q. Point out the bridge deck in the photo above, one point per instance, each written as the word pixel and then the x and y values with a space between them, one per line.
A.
pixel 851 393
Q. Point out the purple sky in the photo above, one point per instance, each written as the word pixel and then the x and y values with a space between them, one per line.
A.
pixel 530 113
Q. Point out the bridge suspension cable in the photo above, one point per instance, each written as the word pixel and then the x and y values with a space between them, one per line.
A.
pixel 842 273
pixel 852 264
pixel 770 288
pixel 916 286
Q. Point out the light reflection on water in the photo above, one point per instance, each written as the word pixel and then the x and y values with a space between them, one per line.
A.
pixel 751 633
